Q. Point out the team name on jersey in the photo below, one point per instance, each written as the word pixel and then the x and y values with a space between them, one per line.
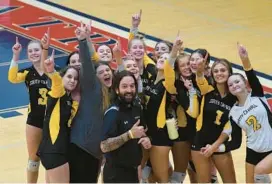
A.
pixel 217 102
pixel 246 111
pixel 37 81
pixel 153 91
pixel 145 81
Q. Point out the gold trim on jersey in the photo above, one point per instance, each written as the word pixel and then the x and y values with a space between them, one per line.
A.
pixel 73 112
pixel 54 123
pixel 193 109
pixel 57 89
pixel 199 120
pixel 161 117
pixel 170 78
pixel 181 117
pixel 203 85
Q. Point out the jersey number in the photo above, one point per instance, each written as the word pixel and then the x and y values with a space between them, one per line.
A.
pixel 251 120
pixel 43 99
pixel 218 117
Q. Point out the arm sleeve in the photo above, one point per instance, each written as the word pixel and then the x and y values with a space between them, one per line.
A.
pixel 93 53
pixel 203 85
pixel 87 71
pixel 14 75
pixel 132 33
pixel 257 89
pixel 193 109
pixel 57 88
pixel 169 75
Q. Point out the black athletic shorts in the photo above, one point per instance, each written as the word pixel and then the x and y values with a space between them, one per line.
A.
pixel 36 121
pixel 160 137
pixel 53 160
pixel 253 157
pixel 186 134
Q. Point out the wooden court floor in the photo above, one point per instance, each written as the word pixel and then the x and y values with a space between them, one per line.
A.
pixel 215 25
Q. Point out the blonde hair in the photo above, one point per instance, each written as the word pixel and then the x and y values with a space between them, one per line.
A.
pixel 34 41
pixel 137 37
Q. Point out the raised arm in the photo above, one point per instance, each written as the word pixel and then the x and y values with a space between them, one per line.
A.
pixel 45 41
pixel 57 88
pixel 117 53
pixel 93 53
pixel 135 22
pixel 87 70
pixel 257 89
pixel 169 72
pixel 14 75
pixel 201 81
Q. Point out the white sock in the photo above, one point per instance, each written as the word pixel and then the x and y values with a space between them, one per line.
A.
pixel 145 173
pixel 214 179
pixel 177 177
pixel 262 178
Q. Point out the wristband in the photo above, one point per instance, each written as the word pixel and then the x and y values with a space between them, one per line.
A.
pixel 221 148
pixel 130 134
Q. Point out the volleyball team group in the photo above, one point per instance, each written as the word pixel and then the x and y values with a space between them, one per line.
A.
pixel 120 115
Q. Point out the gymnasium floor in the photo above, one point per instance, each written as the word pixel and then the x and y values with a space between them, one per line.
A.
pixel 215 25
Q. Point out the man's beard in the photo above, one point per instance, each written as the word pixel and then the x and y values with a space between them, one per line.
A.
pixel 127 97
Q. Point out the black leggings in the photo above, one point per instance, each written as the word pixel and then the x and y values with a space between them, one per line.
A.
pixel 115 174
pixel 84 168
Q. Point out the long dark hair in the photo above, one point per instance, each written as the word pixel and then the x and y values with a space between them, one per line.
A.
pixel 118 77
pixel 204 53
pixel 69 57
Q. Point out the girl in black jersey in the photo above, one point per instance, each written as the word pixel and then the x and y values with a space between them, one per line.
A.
pixel 252 114
pixel 213 126
pixel 155 114
pixel 61 109
pixel 136 47
pixel 186 121
pixel 36 83
pixel 197 56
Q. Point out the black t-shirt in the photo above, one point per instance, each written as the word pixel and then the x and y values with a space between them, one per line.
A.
pixel 118 119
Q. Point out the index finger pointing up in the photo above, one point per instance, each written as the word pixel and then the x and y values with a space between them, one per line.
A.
pixel 140 13
pixel 53 54
pixel 178 33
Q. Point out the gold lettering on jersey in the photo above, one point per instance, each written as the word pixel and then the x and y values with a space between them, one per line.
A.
pixel 253 106
pixel 37 81
pixel 251 120
pixel 218 117
pixel 219 103
pixel 43 99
